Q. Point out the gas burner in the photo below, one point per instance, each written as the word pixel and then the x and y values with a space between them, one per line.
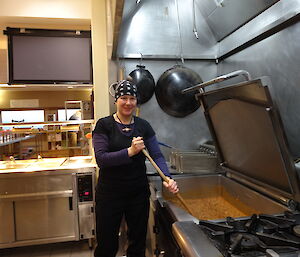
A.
pixel 296 230
pixel 240 242
pixel 259 235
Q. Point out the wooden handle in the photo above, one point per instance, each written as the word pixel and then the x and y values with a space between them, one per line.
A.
pixel 161 174
pixel 166 179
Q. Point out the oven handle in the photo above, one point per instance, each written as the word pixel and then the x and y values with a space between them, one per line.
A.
pixel 230 75
pixel 38 195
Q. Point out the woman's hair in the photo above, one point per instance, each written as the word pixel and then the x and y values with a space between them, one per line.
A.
pixel 125 87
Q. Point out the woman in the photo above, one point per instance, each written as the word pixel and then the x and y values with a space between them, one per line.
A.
pixel 122 187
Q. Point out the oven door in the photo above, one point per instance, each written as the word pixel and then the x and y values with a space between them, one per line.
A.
pixel 51 216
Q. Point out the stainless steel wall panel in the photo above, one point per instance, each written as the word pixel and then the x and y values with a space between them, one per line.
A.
pixel 278 57
pixel 183 133
pixel 207 6
pixel 277 13
pixel 231 14
pixel 206 44
pixel 152 29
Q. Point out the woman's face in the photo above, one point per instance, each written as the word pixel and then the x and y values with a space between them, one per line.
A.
pixel 126 105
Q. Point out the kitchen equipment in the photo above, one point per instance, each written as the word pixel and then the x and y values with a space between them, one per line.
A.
pixel 162 175
pixel 202 160
pixel 189 162
pixel 145 83
pixel 168 91
pixel 256 176
pixel 47 201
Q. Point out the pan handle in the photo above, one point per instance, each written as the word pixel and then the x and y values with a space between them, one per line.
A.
pixel 230 75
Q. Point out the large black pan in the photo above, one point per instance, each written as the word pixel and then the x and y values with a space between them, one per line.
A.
pixel 145 83
pixel 168 91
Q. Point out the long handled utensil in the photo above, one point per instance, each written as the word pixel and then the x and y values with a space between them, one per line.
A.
pixel 166 179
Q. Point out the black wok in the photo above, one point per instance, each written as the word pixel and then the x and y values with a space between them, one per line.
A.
pixel 168 91
pixel 145 83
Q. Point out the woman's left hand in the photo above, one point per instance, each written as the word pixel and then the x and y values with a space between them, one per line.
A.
pixel 171 185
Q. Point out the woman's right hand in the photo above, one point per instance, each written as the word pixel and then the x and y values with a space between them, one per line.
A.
pixel 137 145
pixel 171 185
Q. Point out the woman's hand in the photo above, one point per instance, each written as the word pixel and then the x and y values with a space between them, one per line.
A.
pixel 137 145
pixel 171 185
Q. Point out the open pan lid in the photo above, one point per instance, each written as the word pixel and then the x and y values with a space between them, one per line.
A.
pixel 249 135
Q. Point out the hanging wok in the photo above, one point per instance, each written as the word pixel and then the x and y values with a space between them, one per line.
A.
pixel 168 91
pixel 145 83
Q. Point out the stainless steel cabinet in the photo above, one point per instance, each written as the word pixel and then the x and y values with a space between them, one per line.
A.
pixel 50 218
pixel 38 207
pixel 86 220
pixel 6 222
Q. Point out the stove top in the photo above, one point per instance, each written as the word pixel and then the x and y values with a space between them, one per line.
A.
pixel 258 235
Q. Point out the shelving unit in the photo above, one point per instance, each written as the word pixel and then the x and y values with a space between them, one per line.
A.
pixel 17 140
pixel 53 139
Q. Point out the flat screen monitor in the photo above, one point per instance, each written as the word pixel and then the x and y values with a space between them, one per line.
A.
pixel 39 56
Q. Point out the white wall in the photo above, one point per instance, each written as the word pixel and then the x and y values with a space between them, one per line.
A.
pixel 42 14
pixel 72 9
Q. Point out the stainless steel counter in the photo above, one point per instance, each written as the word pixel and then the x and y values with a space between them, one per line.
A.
pixel 32 165
pixel 46 201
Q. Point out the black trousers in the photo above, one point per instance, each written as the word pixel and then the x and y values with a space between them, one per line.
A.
pixel 109 212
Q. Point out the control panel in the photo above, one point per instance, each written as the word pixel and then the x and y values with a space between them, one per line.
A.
pixel 85 187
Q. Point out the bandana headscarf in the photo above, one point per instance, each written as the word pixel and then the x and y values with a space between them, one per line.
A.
pixel 125 87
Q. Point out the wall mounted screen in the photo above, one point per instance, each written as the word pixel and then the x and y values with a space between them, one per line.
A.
pixel 49 56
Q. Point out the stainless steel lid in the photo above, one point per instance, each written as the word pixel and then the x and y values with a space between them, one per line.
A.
pixel 249 136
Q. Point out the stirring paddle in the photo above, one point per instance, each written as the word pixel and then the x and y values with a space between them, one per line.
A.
pixel 166 179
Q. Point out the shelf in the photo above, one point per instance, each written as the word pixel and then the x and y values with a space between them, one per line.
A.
pixel 52 123
pixel 47 87
pixel 17 140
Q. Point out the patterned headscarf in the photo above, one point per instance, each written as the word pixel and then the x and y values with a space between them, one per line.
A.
pixel 125 87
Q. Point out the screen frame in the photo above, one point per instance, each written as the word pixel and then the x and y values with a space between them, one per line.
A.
pixel 11 32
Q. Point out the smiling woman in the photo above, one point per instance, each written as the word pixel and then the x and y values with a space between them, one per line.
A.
pixel 123 187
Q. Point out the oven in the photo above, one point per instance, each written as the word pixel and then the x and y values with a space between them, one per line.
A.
pixel 250 205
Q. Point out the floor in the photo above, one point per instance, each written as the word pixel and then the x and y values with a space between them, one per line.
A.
pixel 68 249
pixel 78 248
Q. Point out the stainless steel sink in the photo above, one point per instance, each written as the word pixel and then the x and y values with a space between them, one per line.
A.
pixel 78 161
pixel 46 163
pixel 18 164
pixel 13 166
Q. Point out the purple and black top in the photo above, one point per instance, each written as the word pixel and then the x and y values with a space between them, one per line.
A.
pixel 110 145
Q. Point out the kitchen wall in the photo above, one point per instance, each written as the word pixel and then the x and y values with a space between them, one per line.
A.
pixel 266 45
pixel 46 14
pixel 39 25
pixel 182 133
pixel 61 9
pixel 277 56
pixel 47 99
pixel 162 35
